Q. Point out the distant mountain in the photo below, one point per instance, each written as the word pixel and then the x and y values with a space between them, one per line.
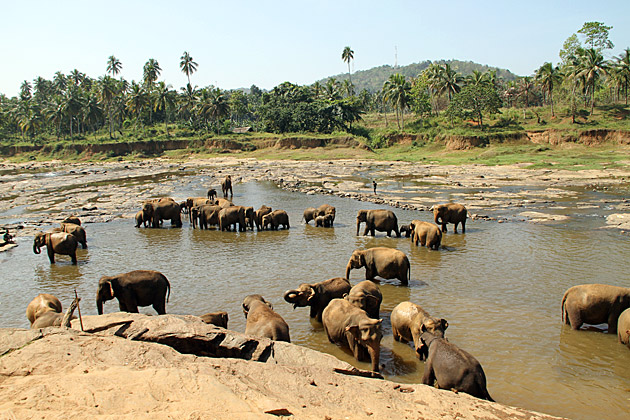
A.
pixel 373 79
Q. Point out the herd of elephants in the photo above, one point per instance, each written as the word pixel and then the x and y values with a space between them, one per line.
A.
pixel 349 314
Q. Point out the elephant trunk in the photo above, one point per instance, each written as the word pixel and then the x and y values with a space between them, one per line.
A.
pixel 375 353
pixel 36 249
pixel 348 268
pixel 358 225
pixel 437 219
pixel 99 305
pixel 290 296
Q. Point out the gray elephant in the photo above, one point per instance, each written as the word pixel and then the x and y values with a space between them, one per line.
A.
pixel 195 202
pixel 223 203
pixel 249 217
pixel 75 230
pixel 324 221
pixel 56 243
pixel 309 214
pixel 426 233
pixel 42 304
pixel 318 295
pixel 258 215
pixel 140 219
pixel 226 186
pixel 623 327
pixel 594 304
pixel 381 220
pixel 263 321
pixel 275 219
pixel 406 230
pixel 162 209
pixel 366 295
pixel 388 263
pixel 449 367
pixel 450 213
pixel 207 215
pixel 231 216
pixel 220 318
pixel 347 325
pixel 408 319
pixel 212 194
pixel 133 289
pixel 327 210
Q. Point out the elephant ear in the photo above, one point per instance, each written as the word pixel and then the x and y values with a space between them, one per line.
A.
pixel 444 324
pixel 353 329
pixel 423 328
pixel 311 294
pixel 269 304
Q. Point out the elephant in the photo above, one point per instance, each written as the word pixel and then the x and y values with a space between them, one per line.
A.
pixel 133 289
pixel 407 321
pixel 223 203
pixel 366 295
pixel 258 215
pixel 220 318
pixel 309 214
pixel 388 263
pixel 381 220
pixel 450 213
pixel 48 319
pixel 594 304
pixel 72 219
pixel 194 202
pixel 140 219
pixel 407 230
pixel 449 367
pixel 165 210
pixel 347 325
pixel 263 321
pixel 231 216
pixel 226 185
pixel 249 217
pixel 75 230
pixel 426 233
pixel 327 210
pixel 275 219
pixel 623 327
pixel 324 221
pixel 212 194
pixel 42 304
pixel 318 295
pixel 56 243
pixel 207 215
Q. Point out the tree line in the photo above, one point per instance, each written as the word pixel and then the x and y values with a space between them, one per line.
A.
pixel 76 105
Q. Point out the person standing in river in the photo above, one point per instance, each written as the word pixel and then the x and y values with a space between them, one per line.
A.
pixel 374 185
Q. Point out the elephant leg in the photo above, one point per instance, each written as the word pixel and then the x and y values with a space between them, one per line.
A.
pixel 73 256
pixel 464 226
pixel 160 307
pixel 121 306
pixel 429 376
pixel 455 228
pixel 612 321
pixel 575 319
pixel 444 227
pixel 397 231
pixel 51 254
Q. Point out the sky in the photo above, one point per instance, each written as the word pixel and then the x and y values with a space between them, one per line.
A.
pixel 239 43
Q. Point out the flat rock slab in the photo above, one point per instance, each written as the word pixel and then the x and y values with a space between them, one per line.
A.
pixel 619 221
pixel 537 217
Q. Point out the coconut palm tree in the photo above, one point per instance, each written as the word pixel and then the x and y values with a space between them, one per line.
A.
pixel 592 67
pixel 92 112
pixel 108 90
pixel 548 77
pixel 526 85
pixel 114 66
pixel 151 72
pixel 188 65
pixel 623 71
pixel 54 113
pixel 137 99
pixel 396 90
pixel 164 99
pixel 450 81
pixel 25 90
pixel 347 55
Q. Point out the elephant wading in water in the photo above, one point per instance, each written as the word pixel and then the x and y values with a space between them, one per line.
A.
pixel 231 216
pixel 347 325
pixel 263 321
pixel 309 214
pixel 450 213
pixel 324 221
pixel 318 295
pixel 408 319
pixel 42 304
pixel 623 328
pixel 133 289
pixel 56 243
pixel 226 186
pixel 594 304
pixel 449 367
pixel 249 217
pixel 160 209
pixel 426 233
pixel 140 219
pixel 207 215
pixel 366 295
pixel 220 318
pixel 275 219
pixel 75 230
pixel 381 220
pixel 258 216
pixel 195 202
pixel 327 211
pixel 387 263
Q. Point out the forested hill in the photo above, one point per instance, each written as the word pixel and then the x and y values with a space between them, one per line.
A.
pixel 373 79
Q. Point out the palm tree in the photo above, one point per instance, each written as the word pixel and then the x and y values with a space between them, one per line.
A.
pixel 108 91
pixel 450 80
pixel 218 108
pixel 136 100
pixel 397 90
pixel 547 77
pixel 164 99
pixel 187 65
pixel 114 66
pixel 71 103
pixel 54 113
pixel 477 78
pixel 347 87
pixel 592 67
pixel 331 89
pixel 347 55
pixel 151 72
pixel 25 90
pixel 526 86
pixel 92 112
pixel 623 71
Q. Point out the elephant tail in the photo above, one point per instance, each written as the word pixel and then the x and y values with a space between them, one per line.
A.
pixel 168 288
pixel 564 299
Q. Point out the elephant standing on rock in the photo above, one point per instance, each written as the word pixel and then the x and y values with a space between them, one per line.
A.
pixel 258 216
pixel 623 327
pixel 220 318
pixel 366 295
pixel 388 263
pixel 42 304
pixel 275 219
pixel 263 321
pixel 231 216
pixel 594 304
pixel 56 243
pixel 76 231
pixel 381 220
pixel 449 367
pixel 226 185
pixel 426 233
pixel 408 319
pixel 347 325
pixel 318 295
pixel 133 289
pixel 450 213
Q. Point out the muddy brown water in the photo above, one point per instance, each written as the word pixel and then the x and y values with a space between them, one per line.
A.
pixel 499 286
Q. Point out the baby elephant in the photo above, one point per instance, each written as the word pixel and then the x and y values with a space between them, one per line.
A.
pixel 42 304
pixel 623 328
pixel 263 321
pixel 408 319
pixel 426 233
pixel 220 318
pixel 367 296
pixel 450 367
pixel 317 295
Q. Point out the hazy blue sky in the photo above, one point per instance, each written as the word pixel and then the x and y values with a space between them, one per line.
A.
pixel 241 42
